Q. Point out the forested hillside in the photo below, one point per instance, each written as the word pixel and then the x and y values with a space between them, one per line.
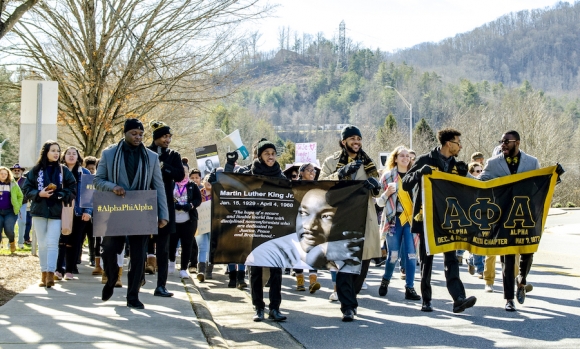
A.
pixel 541 46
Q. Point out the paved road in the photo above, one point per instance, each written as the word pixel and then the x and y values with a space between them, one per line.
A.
pixel 549 317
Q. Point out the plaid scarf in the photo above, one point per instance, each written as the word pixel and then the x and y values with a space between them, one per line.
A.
pixel 140 180
pixel 368 163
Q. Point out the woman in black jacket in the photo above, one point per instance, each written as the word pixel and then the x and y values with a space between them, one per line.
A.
pixel 48 185
pixel 264 164
pixel 186 198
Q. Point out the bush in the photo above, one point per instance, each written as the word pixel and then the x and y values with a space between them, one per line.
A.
pixel 557 205
pixel 570 204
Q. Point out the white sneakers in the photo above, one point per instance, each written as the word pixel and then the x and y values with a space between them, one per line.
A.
pixel 489 288
pixel 364 286
pixel 183 274
pixel 171 268
pixel 333 296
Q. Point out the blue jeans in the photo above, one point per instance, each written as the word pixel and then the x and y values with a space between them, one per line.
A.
pixel 402 236
pixel 7 223
pixel 24 225
pixel 232 267
pixel 476 260
pixel 202 247
pixel 48 234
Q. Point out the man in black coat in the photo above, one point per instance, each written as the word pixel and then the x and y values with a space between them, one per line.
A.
pixel 172 171
pixel 439 159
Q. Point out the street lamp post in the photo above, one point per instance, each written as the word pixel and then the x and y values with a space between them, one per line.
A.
pixel 1 146
pixel 410 106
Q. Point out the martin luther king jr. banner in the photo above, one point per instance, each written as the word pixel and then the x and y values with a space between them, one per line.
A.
pixel 502 216
pixel 270 222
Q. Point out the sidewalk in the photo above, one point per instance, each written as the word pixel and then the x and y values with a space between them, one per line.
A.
pixel 72 315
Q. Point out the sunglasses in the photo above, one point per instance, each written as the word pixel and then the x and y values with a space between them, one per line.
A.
pixel 507 141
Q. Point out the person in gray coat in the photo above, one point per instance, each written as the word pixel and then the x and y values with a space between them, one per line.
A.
pixel 129 165
pixel 510 161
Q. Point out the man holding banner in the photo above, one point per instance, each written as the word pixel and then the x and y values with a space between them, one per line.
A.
pixel 129 166
pixel 352 163
pixel 441 158
pixel 511 161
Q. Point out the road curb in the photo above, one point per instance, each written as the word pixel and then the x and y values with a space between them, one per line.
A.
pixel 208 326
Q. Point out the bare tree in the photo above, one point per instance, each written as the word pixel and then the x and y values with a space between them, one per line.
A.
pixel 7 24
pixel 120 59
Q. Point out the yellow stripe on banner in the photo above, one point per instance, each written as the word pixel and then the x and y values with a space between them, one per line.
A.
pixel 430 245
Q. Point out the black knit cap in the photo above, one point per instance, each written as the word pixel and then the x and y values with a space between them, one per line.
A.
pixel 132 124
pixel 263 145
pixel 160 129
pixel 349 131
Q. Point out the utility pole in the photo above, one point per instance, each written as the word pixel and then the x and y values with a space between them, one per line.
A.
pixel 342 45
pixel 2 145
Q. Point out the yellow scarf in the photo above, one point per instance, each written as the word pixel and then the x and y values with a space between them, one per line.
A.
pixel 406 203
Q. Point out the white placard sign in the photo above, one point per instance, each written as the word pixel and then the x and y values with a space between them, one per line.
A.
pixel 306 152
pixel 204 218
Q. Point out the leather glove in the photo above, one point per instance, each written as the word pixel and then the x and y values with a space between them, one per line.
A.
pixel 232 157
pixel 349 169
pixel 462 168
pixel 559 171
pixel 212 176
pixel 373 185
pixel 426 170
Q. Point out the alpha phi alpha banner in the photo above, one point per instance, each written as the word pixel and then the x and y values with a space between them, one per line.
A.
pixel 270 222
pixel 502 216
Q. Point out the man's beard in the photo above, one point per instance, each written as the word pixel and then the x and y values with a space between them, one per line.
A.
pixel 350 150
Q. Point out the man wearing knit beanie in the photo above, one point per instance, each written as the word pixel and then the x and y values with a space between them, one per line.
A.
pixel 172 171
pixel 352 163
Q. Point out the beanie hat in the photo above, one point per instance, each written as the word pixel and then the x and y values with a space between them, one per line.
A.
pixel 349 131
pixel 264 144
pixel 132 124
pixel 160 129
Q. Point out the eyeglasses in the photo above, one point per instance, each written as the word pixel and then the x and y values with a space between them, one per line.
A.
pixel 507 141
pixel 458 143
pixel 310 170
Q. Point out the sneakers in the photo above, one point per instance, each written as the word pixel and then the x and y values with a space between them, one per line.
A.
pixel 510 306
pixel 259 316
pixel 183 274
pixel 364 286
pixel 489 288
pixel 275 315
pixel 57 276
pixel 384 288
pixel 171 267
pixel 463 303
pixel 403 275
pixel 411 294
pixel 333 297
pixel 521 291
pixel 68 276
pixel 348 316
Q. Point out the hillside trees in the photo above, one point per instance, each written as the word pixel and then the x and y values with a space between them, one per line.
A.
pixel 115 60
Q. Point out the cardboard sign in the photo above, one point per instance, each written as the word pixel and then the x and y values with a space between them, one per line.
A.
pixel 87 191
pixel 134 214
pixel 306 152
pixel 204 218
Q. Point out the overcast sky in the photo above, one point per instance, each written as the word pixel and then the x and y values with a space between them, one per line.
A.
pixel 387 24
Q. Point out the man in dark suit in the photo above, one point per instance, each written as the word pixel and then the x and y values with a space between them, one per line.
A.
pixel 439 159
pixel 128 165
pixel 172 171
pixel 510 161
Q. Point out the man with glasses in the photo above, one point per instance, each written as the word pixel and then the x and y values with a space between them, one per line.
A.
pixel 441 158
pixel 510 161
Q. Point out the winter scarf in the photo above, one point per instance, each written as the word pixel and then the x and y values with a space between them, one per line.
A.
pixel 140 180
pixel 368 163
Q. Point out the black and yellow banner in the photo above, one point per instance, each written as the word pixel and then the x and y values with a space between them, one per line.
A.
pixel 502 216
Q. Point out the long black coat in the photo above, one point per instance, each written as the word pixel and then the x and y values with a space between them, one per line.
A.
pixel 172 171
